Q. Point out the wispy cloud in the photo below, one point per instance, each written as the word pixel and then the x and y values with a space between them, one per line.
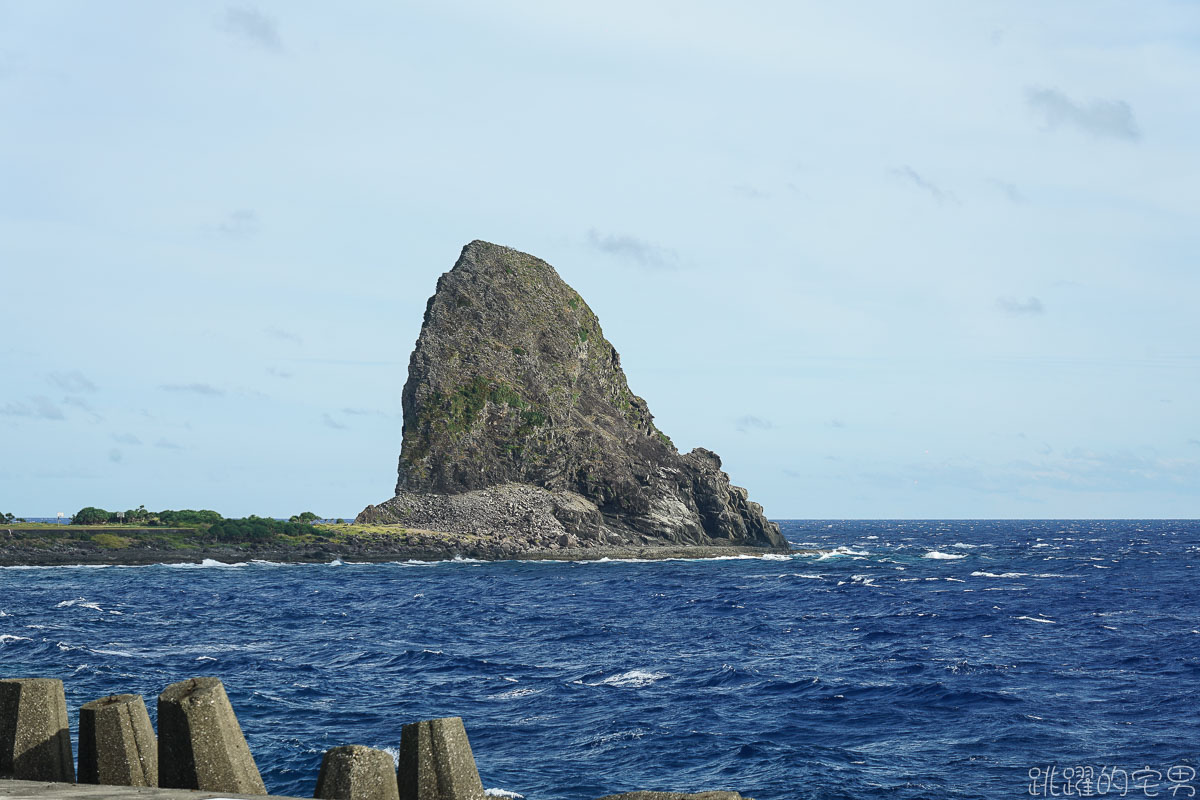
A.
pixel 280 333
pixel 39 407
pixel 1194 441
pixel 1112 118
pixel 911 177
pixel 115 456
pixel 1010 192
pixel 126 438
pixel 749 422
pixel 81 404
pixel 252 25
pixel 241 224
pixel 367 412
pixel 835 423
pixel 752 192
pixel 631 248
pixel 72 381
pixel 330 422
pixel 1028 307
pixel 165 445
pixel 278 373
pixel 195 388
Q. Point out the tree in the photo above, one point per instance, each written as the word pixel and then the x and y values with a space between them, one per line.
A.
pixel 90 516
pixel 305 516
pixel 9 518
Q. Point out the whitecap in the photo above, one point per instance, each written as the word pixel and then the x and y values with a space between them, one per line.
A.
pixel 841 551
pixel 633 679
pixel 940 556
pixel 964 545
pixel 981 574
pixel 1038 619
pixel 503 793
pixel 9 637
pixel 208 562
pixel 82 602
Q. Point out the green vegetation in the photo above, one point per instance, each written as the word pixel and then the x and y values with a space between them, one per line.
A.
pixel 186 518
pixel 574 303
pixel 458 412
pixel 9 518
pixel 257 529
pixel 518 351
pixel 583 334
pixel 110 541
pixel 305 516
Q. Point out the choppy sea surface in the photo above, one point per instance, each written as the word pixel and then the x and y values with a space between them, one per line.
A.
pixel 918 659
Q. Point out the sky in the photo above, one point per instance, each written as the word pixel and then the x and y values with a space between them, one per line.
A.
pixel 889 260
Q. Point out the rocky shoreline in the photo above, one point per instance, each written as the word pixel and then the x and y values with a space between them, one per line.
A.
pixel 418 546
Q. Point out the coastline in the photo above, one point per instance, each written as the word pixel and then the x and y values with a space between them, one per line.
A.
pixel 424 546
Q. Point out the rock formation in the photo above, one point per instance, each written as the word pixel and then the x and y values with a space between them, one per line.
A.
pixel 518 420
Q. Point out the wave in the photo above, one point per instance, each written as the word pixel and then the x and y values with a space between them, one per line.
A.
pixel 503 793
pixel 1038 619
pixel 841 551
pixel 633 679
pixel 205 564
pixel 940 556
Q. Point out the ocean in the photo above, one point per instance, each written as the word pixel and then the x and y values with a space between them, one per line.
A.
pixel 917 659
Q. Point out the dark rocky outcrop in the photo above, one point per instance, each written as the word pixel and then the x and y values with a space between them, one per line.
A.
pixel 518 419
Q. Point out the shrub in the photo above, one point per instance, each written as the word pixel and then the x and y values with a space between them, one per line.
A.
pixel 90 515
pixel 305 516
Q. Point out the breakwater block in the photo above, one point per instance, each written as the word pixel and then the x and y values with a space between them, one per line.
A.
pixel 35 742
pixel 116 742
pixel 436 762
pixel 200 744
pixel 354 772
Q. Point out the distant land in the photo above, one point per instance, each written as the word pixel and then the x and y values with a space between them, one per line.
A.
pixel 520 426
pixel 521 440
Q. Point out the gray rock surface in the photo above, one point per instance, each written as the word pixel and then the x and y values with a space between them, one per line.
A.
pixel 436 762
pixel 354 772
pixel 518 418
pixel 37 790
pixel 117 746
pixel 35 740
pixel 200 744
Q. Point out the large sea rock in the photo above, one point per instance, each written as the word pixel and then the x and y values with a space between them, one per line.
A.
pixel 518 421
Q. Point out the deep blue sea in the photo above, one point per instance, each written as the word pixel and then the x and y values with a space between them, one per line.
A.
pixel 918 660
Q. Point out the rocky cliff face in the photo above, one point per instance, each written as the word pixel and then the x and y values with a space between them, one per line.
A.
pixel 517 416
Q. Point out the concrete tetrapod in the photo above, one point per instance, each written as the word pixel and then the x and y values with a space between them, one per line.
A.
pixel 436 762
pixel 354 772
pixel 35 742
pixel 116 742
pixel 200 744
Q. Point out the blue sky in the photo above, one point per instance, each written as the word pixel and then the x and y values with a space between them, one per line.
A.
pixel 930 259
